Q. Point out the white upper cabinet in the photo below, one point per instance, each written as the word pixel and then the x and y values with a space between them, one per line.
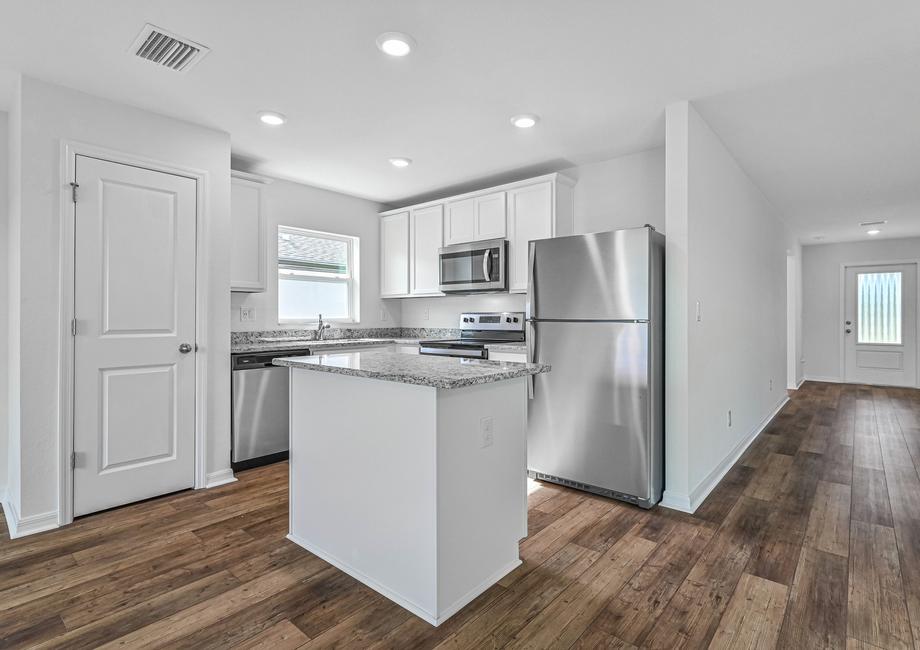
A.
pixel 539 211
pixel 248 263
pixel 426 236
pixel 519 212
pixel 394 255
pixel 475 219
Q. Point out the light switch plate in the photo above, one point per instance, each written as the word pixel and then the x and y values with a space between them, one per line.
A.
pixel 247 314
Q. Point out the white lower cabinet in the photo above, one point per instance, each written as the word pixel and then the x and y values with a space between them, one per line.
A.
pixel 426 236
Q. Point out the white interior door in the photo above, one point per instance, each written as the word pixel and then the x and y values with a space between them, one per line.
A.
pixel 880 324
pixel 134 303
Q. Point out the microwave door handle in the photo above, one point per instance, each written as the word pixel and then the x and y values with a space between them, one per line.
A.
pixel 487 265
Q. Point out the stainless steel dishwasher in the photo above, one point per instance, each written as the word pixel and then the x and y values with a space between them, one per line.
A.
pixel 260 408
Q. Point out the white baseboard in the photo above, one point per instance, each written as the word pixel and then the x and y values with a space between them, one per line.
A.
pixel 799 385
pixel 22 526
pixel 423 614
pixel 689 503
pixel 828 380
pixel 221 477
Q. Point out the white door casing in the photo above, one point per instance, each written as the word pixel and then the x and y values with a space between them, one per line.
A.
pixel 134 305
pixel 883 354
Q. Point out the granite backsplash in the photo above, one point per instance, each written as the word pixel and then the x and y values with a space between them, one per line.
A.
pixel 349 333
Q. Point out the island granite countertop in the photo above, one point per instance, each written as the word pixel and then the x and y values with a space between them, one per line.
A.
pixel 282 344
pixel 421 370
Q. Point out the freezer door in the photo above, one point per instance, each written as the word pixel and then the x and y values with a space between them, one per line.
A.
pixel 588 419
pixel 601 276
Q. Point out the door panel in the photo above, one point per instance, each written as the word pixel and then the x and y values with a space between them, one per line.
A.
pixel 134 302
pixel 426 232
pixel 600 276
pixel 588 419
pixel 880 324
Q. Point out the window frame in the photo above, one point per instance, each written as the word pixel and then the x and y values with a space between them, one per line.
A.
pixel 351 280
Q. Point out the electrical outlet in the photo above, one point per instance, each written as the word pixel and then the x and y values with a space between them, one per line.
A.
pixel 485 432
pixel 427 313
pixel 729 418
pixel 247 314
pixel 383 314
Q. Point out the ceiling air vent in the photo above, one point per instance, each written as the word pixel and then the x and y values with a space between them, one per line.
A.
pixel 167 49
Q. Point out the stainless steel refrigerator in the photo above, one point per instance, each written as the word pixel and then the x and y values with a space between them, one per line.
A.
pixel 595 312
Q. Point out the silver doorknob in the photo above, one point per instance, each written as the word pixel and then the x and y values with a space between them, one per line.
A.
pixel 185 348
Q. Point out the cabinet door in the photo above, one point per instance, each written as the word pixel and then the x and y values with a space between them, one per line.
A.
pixel 426 236
pixel 490 217
pixel 394 255
pixel 530 216
pixel 248 247
pixel 460 221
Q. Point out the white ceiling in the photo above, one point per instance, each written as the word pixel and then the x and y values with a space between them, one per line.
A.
pixel 772 76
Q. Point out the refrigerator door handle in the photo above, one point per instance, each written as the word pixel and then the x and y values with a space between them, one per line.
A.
pixel 530 306
pixel 531 356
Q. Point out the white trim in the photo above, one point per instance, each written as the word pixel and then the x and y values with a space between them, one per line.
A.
pixel 70 149
pixel 689 503
pixel 555 176
pixel 22 526
pixel 221 477
pixel 422 613
pixel 251 178
pixel 799 385
pixel 826 380
pixel 842 299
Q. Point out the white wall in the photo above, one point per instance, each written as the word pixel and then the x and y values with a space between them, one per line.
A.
pixel 4 308
pixel 726 250
pixel 302 206
pixel 623 192
pixel 821 267
pixel 49 114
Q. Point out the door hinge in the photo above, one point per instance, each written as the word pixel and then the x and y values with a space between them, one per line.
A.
pixel 73 326
pixel 73 460
pixel 73 189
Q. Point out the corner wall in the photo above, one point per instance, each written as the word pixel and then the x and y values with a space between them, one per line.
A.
pixel 726 309
pixel 821 267
pixel 4 306
pixel 50 114
pixel 303 206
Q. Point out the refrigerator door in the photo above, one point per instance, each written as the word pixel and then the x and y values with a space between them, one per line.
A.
pixel 588 419
pixel 601 276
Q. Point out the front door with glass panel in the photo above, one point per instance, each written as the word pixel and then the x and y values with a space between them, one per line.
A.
pixel 880 325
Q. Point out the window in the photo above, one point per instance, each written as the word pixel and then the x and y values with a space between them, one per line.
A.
pixel 879 308
pixel 317 274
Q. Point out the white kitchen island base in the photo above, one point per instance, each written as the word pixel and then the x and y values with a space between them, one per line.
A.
pixel 404 488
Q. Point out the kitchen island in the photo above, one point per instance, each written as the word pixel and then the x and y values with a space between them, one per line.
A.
pixel 408 472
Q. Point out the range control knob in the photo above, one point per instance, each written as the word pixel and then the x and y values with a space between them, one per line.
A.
pixel 515 319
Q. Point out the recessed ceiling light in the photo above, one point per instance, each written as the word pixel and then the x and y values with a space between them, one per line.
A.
pixel 525 120
pixel 395 43
pixel 272 118
pixel 400 162
pixel 873 232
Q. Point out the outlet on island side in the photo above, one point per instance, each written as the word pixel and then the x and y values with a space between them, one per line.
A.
pixel 485 432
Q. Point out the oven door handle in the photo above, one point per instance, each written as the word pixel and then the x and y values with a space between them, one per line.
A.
pixel 487 265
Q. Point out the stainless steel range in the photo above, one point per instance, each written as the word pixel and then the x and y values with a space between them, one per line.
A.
pixel 478 330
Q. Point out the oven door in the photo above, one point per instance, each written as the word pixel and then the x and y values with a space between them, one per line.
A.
pixel 475 267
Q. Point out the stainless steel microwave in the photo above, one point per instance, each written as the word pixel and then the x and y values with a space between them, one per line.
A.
pixel 480 266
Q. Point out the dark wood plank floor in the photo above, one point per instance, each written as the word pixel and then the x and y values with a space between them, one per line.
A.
pixel 811 540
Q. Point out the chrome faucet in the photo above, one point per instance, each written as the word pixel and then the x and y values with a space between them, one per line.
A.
pixel 320 328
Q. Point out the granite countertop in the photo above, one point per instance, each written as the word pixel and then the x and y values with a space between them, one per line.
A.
pixel 280 344
pixel 421 370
